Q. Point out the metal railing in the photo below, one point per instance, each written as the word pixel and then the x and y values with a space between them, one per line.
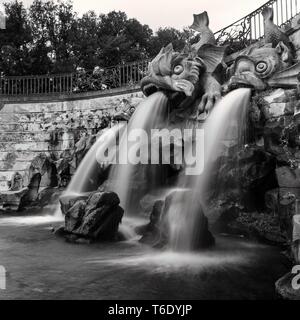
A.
pixel 250 29
pixel 119 76
pixel 124 75
pixel 36 85
pixel 237 36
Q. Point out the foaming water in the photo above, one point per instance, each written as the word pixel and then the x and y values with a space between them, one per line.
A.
pixel 128 226
pixel 229 253
pixel 225 122
pixel 30 220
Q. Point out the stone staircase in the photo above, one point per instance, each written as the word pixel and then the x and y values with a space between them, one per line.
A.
pixel 52 128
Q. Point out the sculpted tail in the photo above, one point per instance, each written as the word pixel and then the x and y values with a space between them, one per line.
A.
pixel 200 21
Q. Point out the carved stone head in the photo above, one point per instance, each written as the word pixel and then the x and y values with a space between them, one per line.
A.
pixel 181 71
pixel 259 68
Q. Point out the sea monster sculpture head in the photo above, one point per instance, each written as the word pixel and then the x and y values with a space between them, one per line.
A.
pixel 183 71
pixel 173 71
pixel 264 67
pixel 270 65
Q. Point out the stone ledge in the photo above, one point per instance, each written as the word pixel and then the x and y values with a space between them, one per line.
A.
pixel 71 97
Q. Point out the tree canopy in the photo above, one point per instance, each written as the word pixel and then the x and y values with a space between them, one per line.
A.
pixel 50 37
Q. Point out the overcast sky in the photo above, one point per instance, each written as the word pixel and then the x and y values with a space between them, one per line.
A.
pixel 171 13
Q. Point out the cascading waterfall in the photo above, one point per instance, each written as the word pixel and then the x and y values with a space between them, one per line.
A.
pixel 86 174
pixel 88 168
pixel 148 115
pixel 183 215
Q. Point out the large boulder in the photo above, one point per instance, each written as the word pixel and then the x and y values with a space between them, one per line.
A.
pixel 67 201
pixel 74 215
pixel 44 167
pixel 97 218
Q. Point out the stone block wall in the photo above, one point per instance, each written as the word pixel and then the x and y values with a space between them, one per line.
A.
pixel 37 134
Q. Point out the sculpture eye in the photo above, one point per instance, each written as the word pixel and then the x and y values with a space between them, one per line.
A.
pixel 261 67
pixel 178 69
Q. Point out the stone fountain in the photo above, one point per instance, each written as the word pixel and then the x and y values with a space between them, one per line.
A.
pixel 257 174
pixel 190 82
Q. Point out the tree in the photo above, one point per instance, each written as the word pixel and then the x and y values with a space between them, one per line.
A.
pixel 50 37
pixel 15 40
pixel 53 27
pixel 87 48
pixel 163 37
pixel 122 39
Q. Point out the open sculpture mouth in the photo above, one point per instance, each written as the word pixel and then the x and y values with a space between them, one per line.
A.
pixel 149 87
pixel 240 84
pixel 246 81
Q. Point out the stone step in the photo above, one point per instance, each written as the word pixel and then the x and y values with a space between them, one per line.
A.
pixel 7 175
pixel 39 136
pixel 35 146
pixel 76 105
pixel 13 127
pixel 14 165
pixel 27 113
pixel 21 155
pixel 45 126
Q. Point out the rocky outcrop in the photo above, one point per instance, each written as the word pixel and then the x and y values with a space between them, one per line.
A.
pixel 94 217
pixel 12 200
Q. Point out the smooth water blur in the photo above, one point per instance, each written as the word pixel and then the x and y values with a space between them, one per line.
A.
pixel 42 266
pixel 224 123
pixel 30 220
pixel 149 114
pixel 88 168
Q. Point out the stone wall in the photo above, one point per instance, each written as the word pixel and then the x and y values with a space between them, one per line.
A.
pixel 37 134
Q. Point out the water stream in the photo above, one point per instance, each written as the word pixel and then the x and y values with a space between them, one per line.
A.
pixel 224 124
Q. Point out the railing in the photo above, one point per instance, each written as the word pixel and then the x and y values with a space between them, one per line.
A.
pixel 124 75
pixel 114 77
pixel 36 85
pixel 237 36
pixel 250 29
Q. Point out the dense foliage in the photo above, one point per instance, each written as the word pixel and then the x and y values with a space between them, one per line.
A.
pixel 50 37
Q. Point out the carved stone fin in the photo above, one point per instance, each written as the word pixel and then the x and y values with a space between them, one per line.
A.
pixel 200 20
pixel 288 78
pixel 212 56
